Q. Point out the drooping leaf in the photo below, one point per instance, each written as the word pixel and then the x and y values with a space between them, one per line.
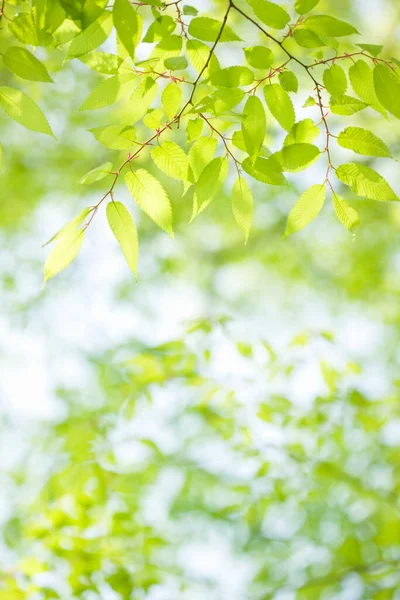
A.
pixel 280 105
pixel 297 157
pixel 325 25
pixel 128 24
pixel 387 88
pixel 124 229
pixel 335 80
pixel 365 182
pixel 97 174
pixel 150 195
pixel 346 105
pixel 92 37
pixel 63 253
pixel 345 213
pixel 362 81
pixel 24 64
pixel 201 153
pixel 171 159
pixel 171 99
pixel 242 205
pixel 210 182
pixel 270 13
pixel 24 110
pixel 70 226
pixel 207 30
pixel 141 100
pixel 306 209
pixel 253 125
pixel 362 141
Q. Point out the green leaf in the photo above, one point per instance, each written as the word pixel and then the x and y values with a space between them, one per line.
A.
pixel 70 226
pixel 201 153
pixel 23 63
pixel 63 253
pixel 387 88
pixel 171 99
pixel 345 213
pixel 102 62
pixel 124 229
pixel 141 100
pixel 259 57
pixel 128 24
pixel 365 182
pixel 270 13
pixel 346 105
pixel 159 29
pixel 254 125
pixel 199 54
pixel 194 129
pixel 308 39
pixel 335 80
pixel 207 29
pixel 224 99
pixel 297 157
pixel 116 137
pixel 168 47
pixel 190 10
pixel 153 118
pixel 302 132
pixel 304 6
pixel 97 174
pixel 92 37
pixel 362 81
pixel 288 81
pixel 362 141
pixel 171 159
pixel 267 170
pixel 372 49
pixel 306 209
pixel 1 157
pixel 109 91
pixel 24 110
pixel 150 195
pixel 242 205
pixel 280 105
pixel 176 63
pixel 232 77
pixel 324 25
pixel 209 184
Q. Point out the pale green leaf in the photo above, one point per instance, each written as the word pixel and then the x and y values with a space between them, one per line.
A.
pixel 387 88
pixel 160 28
pixel 207 29
pixel 362 81
pixel 141 100
pixel 270 13
pixel 297 157
pixel 116 137
pixel 365 182
pixel 92 37
pixel 303 132
pixel 109 91
pixel 210 183
pixel 372 49
pixel 24 110
pixel 194 129
pixel 171 99
pixel 97 174
pixel 176 63
pixel 242 205
pixel 232 77
pixel 63 253
pixel 289 81
pixel 325 25
pixel 267 170
pixel 335 80
pixel 304 6
pixel 128 24
pixel 345 213
pixel 259 57
pixel 306 209
pixel 280 105
pixel 70 226
pixel 201 153
pixel 102 62
pixel 346 105
pixel 150 195
pixel 171 159
pixel 362 141
pixel 23 63
pixel 253 125
pixel 124 229
pixel 199 55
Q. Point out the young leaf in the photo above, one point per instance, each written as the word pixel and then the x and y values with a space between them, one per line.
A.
pixel 372 49
pixel 201 153
pixel 335 80
pixel 308 39
pixel 267 170
pixel 150 195
pixel 346 105
pixel 259 57
pixel 160 28
pixel 363 141
pixel 63 253
pixel 253 125
pixel 116 137
pixel 171 99
pixel 387 88
pixel 306 209
pixel 365 182
pixel 304 6
pixel 210 183
pixel 124 229
pixel 324 25
pixel 199 54
pixel 141 100
pixel 176 63
pixel 171 159
pixel 242 205
pixel 288 81
pixel 102 62
pixel 92 37
pixel 24 110
pixel 24 64
pixel 194 129
pixel 345 213
pixel 362 81
pixel 270 13
pixel 280 105
pixel 232 77
pixel 297 157
pixel 128 24
pixel 97 174
pixel 303 132
pixel 70 226
pixel 207 29
pixel 109 91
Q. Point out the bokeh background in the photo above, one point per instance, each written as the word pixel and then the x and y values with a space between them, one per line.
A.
pixel 226 428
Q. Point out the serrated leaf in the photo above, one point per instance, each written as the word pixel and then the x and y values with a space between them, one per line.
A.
pixel 168 47
pixel 160 28
pixel 97 174
pixel 222 100
pixel 288 81
pixel 303 132
pixel 171 159
pixel 306 209
pixel 102 62
pixel 242 205
pixel 201 153
pixel 346 105
pixel 23 63
pixel 141 100
pixel 297 157
pixel 176 63
pixel 345 213
pixel 259 57
pixel 304 6
pixel 387 88
pixel 116 137
pixel 362 141
pixel 199 54
pixel 70 226
pixel 24 110
pixel 267 170
pixel 128 24
pixel 232 77
pixel 362 81
pixel 270 13
pixel 124 229
pixel 335 80
pixel 210 182
pixel 325 25
pixel 280 105
pixel 207 29
pixel 171 99
pixel 109 91
pixel 92 37
pixel 365 182
pixel 308 39
pixel 63 253
pixel 373 49
pixel 254 125
pixel 150 195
